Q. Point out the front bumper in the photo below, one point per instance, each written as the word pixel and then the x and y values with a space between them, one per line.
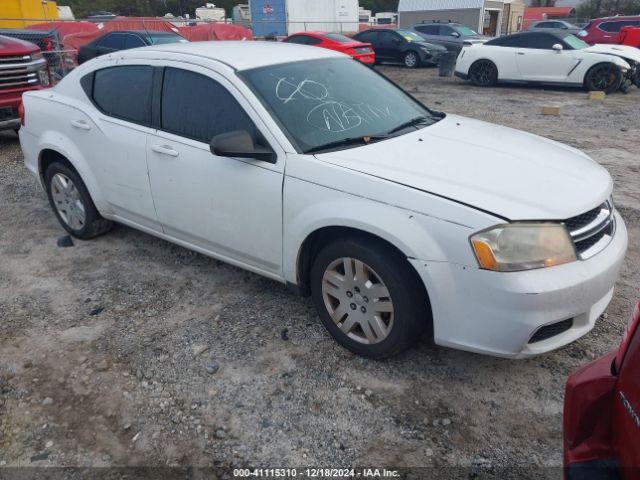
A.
pixel 497 313
pixel 431 56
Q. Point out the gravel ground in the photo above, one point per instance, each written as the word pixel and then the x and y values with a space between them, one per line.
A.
pixel 129 351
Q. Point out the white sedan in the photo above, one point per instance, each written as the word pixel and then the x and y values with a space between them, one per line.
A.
pixel 550 58
pixel 305 166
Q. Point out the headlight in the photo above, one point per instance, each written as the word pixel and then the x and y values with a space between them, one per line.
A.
pixel 523 246
pixel 43 76
pixel 37 56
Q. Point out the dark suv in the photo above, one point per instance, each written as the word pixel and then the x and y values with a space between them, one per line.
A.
pixel 403 46
pixel 451 35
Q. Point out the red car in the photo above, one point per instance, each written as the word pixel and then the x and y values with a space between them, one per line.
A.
pixel 629 36
pixel 22 68
pixel 602 414
pixel 335 41
pixel 606 30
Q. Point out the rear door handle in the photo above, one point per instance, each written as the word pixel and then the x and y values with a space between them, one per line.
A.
pixel 165 150
pixel 520 53
pixel 81 124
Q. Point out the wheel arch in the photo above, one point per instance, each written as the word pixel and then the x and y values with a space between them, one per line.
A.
pixel 607 61
pixel 55 147
pixel 315 240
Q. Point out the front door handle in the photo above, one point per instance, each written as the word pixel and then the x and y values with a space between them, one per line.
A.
pixel 81 124
pixel 520 53
pixel 165 150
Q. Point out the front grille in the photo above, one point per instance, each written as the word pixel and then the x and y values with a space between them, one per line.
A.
pixel 592 231
pixel 21 72
pixel 548 331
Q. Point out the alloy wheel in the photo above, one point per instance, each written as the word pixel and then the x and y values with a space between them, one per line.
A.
pixel 357 300
pixel 411 60
pixel 67 201
pixel 482 73
pixel 603 77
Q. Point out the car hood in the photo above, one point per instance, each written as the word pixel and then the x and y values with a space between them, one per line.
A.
pixel 623 51
pixel 507 172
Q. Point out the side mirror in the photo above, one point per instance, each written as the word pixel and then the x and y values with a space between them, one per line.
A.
pixel 455 34
pixel 239 144
pixel 397 41
pixel 557 47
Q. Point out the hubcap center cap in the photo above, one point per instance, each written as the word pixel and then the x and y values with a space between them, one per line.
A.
pixel 358 299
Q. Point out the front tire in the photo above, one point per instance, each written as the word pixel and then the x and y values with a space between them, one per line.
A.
pixel 483 73
pixel 72 204
pixel 368 297
pixel 411 59
pixel 603 77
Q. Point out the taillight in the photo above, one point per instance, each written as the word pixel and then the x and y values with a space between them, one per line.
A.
pixel 21 113
pixel 632 328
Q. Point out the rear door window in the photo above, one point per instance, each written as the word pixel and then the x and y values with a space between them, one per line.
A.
pixel 198 107
pixel 124 92
pixel 615 27
pixel 114 41
pixel 428 29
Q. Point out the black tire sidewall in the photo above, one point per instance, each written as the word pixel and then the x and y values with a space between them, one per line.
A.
pixel 618 83
pixel 411 308
pixel 91 213
pixel 494 76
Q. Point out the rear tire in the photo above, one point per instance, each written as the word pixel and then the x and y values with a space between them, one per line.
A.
pixel 483 73
pixel 72 204
pixel 411 59
pixel 369 297
pixel 603 77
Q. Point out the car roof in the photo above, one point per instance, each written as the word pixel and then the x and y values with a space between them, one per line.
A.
pixel 528 33
pixel 144 32
pixel 241 55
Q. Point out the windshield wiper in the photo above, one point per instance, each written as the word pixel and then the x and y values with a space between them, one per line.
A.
pixel 346 142
pixel 410 123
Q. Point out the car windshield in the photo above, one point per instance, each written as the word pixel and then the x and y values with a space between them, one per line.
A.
pixel 465 31
pixel 328 101
pixel 162 39
pixel 410 36
pixel 575 43
pixel 336 37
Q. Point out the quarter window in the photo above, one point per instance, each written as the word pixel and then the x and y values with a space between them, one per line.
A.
pixel 125 92
pixel 133 41
pixel 198 107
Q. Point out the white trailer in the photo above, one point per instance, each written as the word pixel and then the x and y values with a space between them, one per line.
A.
pixel 364 16
pixel 386 18
pixel 210 13
pixel 322 15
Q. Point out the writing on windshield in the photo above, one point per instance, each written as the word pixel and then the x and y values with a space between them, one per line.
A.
pixel 328 114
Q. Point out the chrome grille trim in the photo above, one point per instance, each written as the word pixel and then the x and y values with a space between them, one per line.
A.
pixel 592 231
pixel 21 72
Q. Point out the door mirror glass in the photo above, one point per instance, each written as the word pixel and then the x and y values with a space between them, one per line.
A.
pixel 239 144
pixel 455 34
pixel 557 47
